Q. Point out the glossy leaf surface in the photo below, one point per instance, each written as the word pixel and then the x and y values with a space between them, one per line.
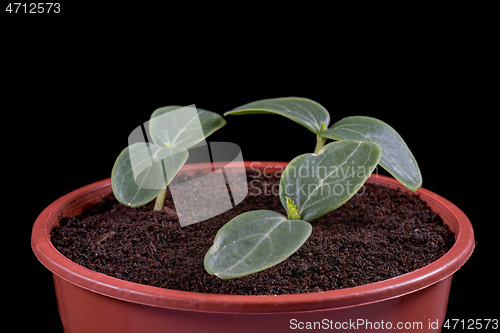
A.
pixel 396 157
pixel 254 241
pixel 177 126
pixel 320 183
pixel 301 110
pixel 142 170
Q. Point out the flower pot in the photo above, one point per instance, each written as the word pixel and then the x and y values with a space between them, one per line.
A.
pixel 92 302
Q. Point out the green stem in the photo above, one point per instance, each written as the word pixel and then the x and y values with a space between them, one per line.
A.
pixel 160 199
pixel 320 142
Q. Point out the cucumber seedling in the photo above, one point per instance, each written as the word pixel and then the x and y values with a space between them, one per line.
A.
pixel 143 170
pixel 311 185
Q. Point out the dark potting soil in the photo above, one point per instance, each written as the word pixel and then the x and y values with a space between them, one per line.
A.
pixel 378 234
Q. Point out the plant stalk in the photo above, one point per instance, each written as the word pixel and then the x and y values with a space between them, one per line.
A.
pixel 160 199
pixel 320 142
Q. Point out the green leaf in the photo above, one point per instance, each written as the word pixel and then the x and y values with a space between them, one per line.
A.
pixel 143 170
pixel 254 241
pixel 301 110
pixel 177 126
pixel 320 183
pixel 396 158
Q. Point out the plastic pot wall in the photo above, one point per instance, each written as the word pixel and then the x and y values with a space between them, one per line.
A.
pixel 92 302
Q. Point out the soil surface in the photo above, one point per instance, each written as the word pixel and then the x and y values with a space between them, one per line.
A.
pixel 378 234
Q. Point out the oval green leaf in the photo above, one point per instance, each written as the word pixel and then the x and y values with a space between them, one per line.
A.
pixel 320 183
pixel 183 126
pixel 143 170
pixel 254 241
pixel 396 157
pixel 306 112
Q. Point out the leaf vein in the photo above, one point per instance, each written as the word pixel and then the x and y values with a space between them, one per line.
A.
pixel 323 179
pixel 256 246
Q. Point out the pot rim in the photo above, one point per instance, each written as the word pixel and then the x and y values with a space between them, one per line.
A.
pixel 109 286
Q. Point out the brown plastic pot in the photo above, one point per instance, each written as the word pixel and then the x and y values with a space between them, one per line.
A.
pixel 92 302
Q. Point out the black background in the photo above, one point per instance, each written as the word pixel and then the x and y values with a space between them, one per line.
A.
pixel 75 86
